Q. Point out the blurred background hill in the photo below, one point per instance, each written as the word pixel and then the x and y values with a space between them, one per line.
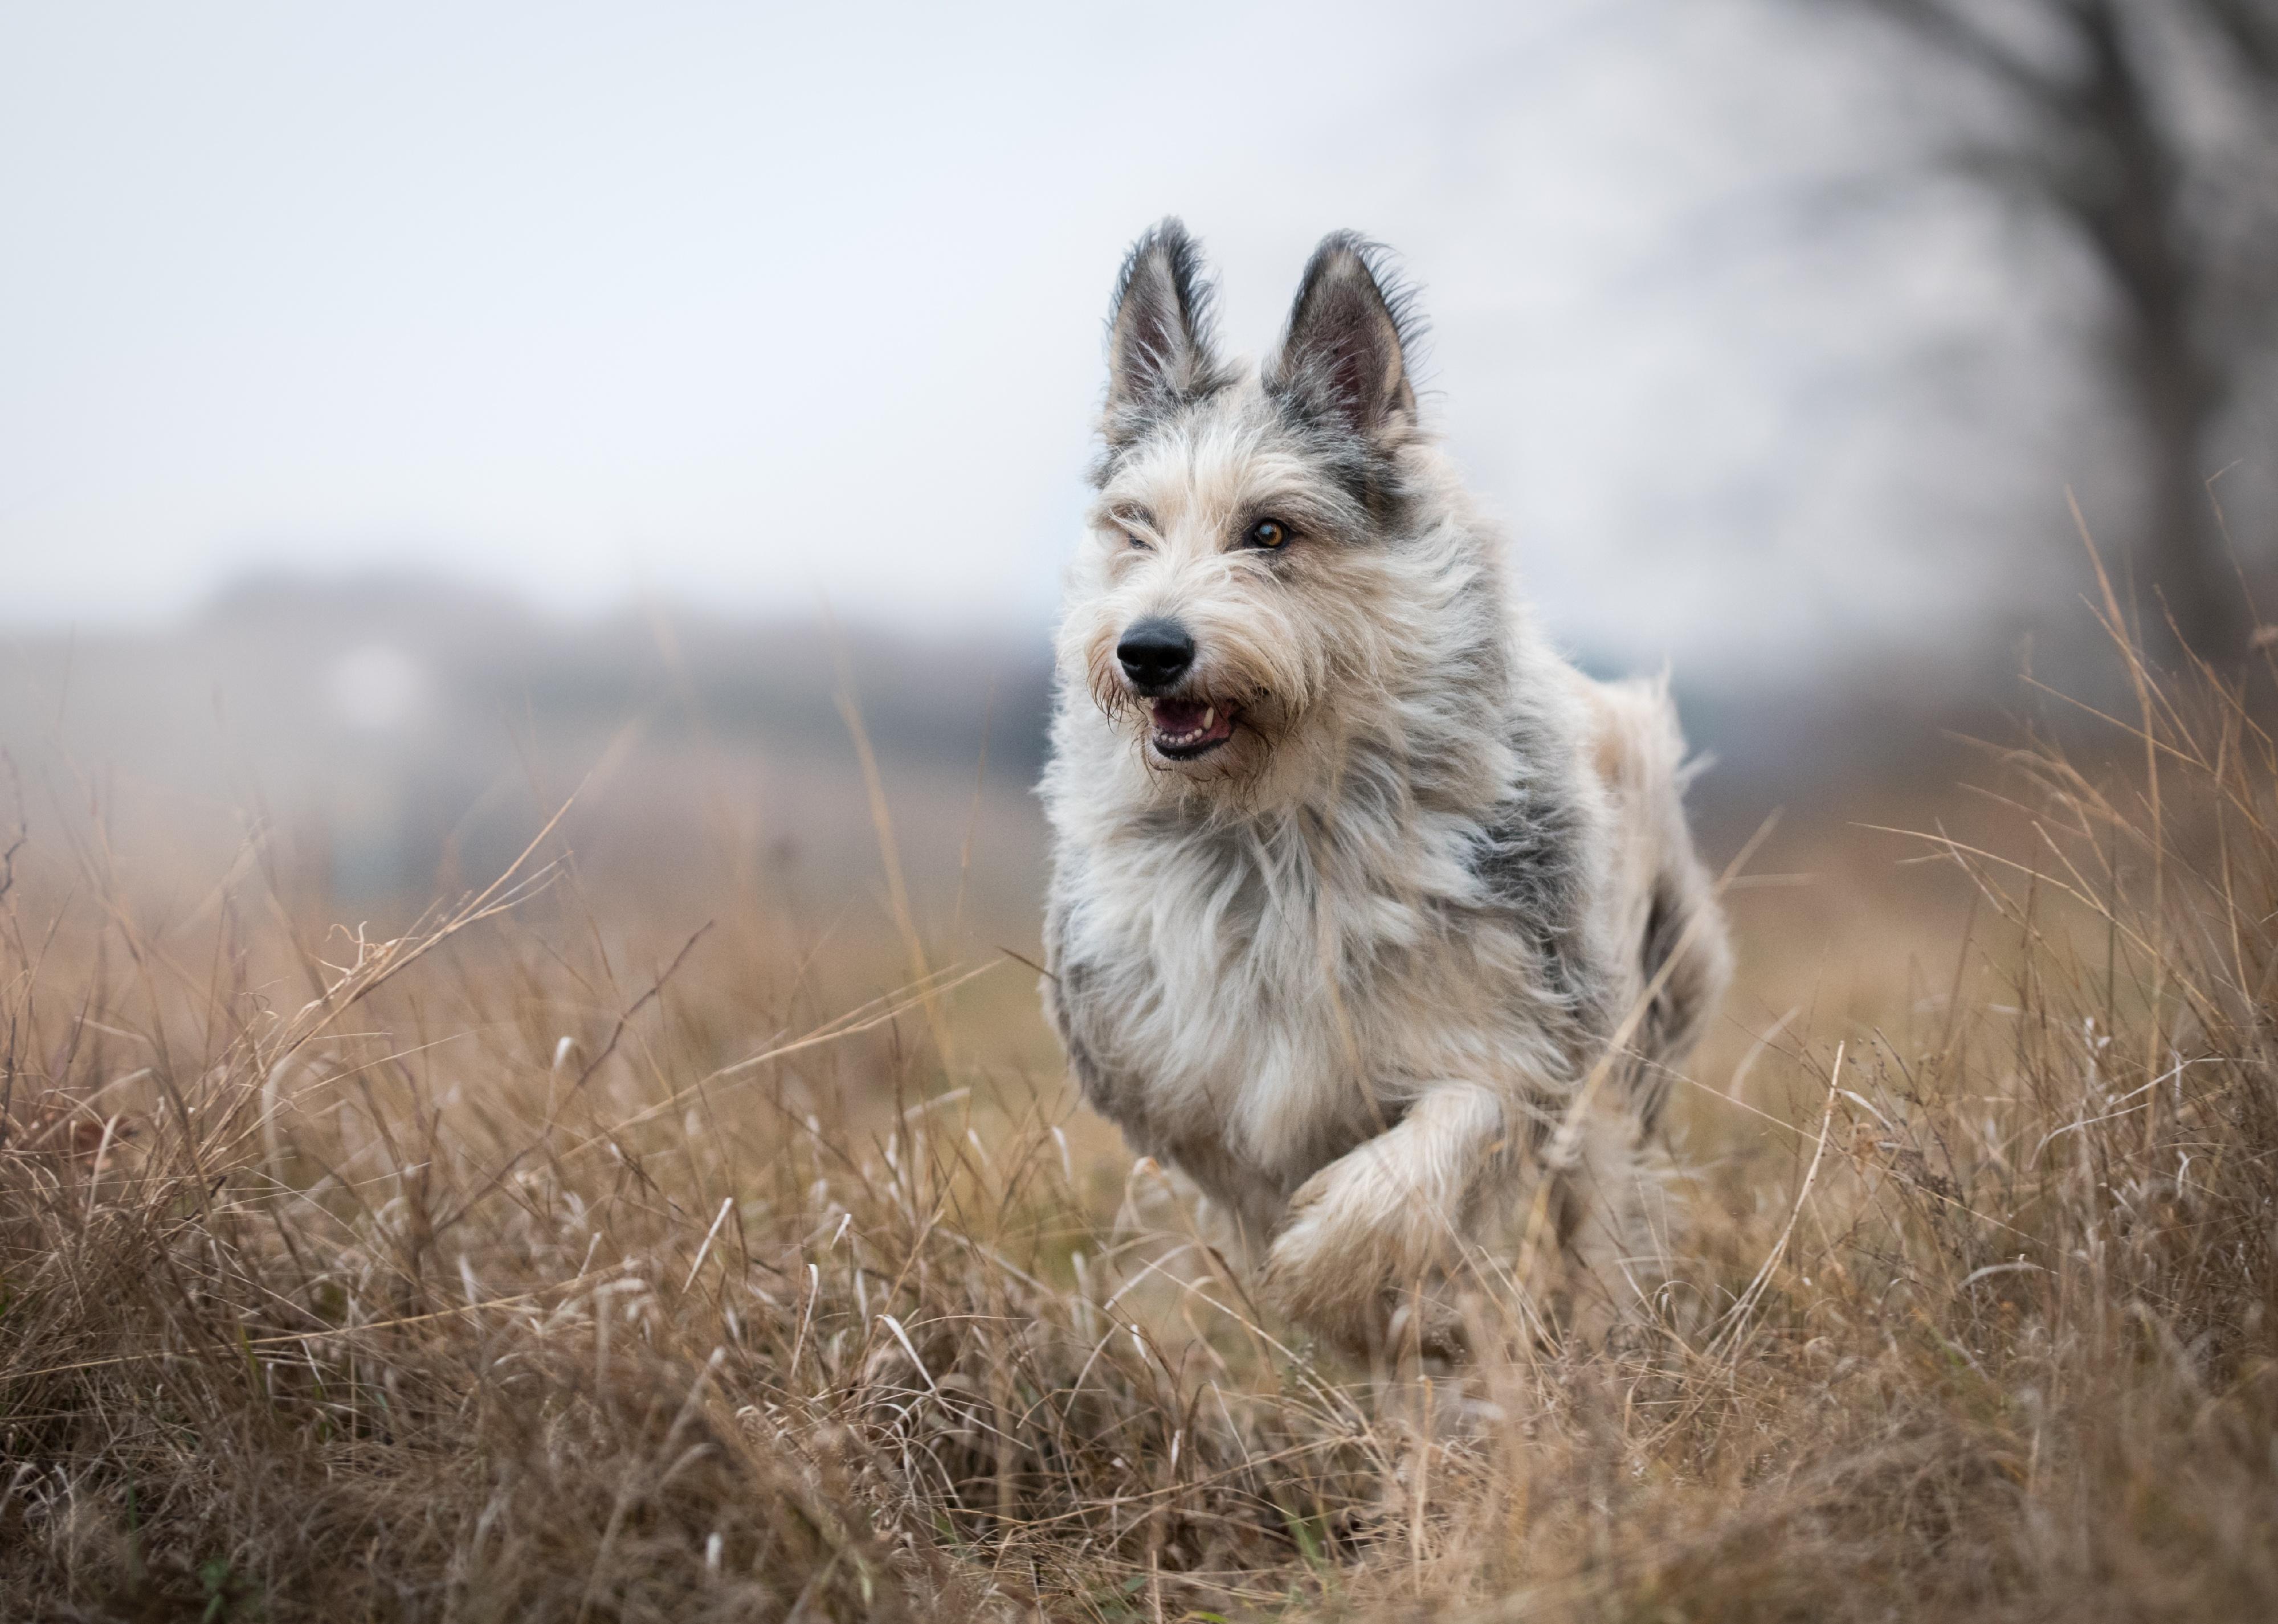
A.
pixel 405 732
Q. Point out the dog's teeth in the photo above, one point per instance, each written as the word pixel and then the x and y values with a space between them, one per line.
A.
pixel 1206 727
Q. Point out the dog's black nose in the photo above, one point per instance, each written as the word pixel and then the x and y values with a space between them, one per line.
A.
pixel 1155 654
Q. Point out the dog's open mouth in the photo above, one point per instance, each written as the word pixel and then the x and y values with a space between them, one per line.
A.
pixel 1185 728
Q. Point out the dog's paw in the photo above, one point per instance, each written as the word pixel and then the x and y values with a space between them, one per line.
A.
pixel 1350 1281
pixel 1299 1250
pixel 1326 1268
pixel 1337 1304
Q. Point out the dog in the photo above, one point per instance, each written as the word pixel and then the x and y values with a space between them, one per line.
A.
pixel 1368 914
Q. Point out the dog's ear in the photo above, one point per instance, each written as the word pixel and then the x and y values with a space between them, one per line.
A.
pixel 1344 358
pixel 1158 328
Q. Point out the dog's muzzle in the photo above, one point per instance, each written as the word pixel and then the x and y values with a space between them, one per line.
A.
pixel 1156 655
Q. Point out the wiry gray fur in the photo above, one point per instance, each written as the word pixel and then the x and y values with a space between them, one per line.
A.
pixel 1403 963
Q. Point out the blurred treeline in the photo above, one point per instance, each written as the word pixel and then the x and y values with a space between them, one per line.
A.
pixel 375 742
pixel 382 741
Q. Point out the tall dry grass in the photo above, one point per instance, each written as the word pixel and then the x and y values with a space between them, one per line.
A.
pixel 523 1266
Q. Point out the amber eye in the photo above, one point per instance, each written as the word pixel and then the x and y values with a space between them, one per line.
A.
pixel 1268 533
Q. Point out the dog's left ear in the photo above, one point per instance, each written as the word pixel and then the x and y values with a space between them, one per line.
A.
pixel 1345 355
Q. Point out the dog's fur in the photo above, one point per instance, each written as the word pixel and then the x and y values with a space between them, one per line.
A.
pixel 1405 962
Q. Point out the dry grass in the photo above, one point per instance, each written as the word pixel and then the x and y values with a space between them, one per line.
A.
pixel 522 1266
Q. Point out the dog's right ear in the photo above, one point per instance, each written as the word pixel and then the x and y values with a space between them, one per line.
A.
pixel 1159 329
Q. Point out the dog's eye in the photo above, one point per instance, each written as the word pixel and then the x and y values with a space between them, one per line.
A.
pixel 1267 533
pixel 1138 543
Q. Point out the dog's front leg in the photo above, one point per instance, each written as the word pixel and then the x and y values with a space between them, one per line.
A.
pixel 1384 1217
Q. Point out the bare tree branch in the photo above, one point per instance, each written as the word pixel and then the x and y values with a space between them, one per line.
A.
pixel 1963 35
pixel 2099 148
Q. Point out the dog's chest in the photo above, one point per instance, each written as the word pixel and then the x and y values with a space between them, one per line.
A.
pixel 1237 998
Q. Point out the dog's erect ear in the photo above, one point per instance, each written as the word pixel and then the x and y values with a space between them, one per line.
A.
pixel 1159 329
pixel 1344 357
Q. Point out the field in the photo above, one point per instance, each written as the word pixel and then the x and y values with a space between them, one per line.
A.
pixel 637 1235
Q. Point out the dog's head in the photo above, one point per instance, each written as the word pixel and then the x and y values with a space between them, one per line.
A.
pixel 1242 581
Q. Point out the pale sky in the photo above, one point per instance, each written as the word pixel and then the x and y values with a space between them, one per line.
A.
pixel 751 306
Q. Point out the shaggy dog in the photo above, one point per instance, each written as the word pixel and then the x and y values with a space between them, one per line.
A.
pixel 1369 913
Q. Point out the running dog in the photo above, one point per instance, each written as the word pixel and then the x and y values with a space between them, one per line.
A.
pixel 1369 913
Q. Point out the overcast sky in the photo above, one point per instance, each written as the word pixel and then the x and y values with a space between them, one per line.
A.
pixel 746 305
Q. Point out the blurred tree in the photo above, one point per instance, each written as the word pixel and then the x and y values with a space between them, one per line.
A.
pixel 2146 130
